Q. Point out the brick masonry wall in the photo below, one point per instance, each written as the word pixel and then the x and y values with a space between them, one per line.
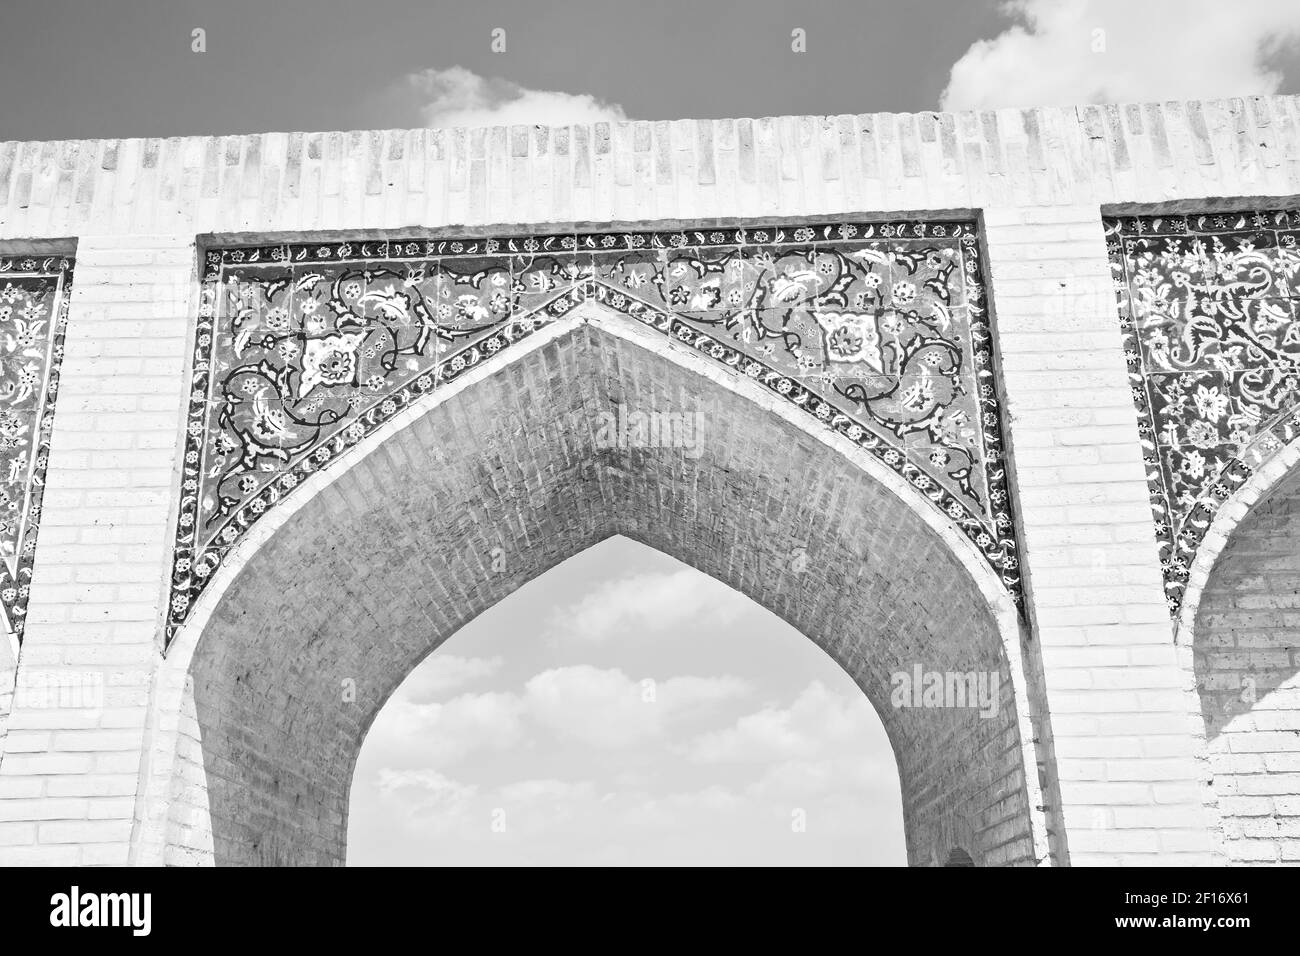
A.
pixel 398 569
pixel 1247 651
pixel 1128 760
pixel 1130 788
pixel 73 760
pixel 8 674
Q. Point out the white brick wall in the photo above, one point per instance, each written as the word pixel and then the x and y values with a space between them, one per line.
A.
pixel 103 546
pixel 1131 770
pixel 8 673
pixel 1127 759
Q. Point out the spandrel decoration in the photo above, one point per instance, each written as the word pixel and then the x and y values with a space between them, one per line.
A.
pixel 33 315
pixel 1208 309
pixel 879 331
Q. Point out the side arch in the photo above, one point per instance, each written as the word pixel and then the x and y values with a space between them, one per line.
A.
pixel 1271 473
pixel 532 484
pixel 1240 630
pixel 958 857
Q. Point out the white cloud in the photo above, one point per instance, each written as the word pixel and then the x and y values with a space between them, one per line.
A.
pixel 681 810
pixel 441 673
pixel 542 820
pixel 426 801
pixel 576 767
pixel 602 708
pixel 524 792
pixel 442 787
pixel 646 604
pixel 847 773
pixel 1151 50
pixel 434 735
pixel 606 708
pixel 429 804
pixel 458 97
pixel 818 723
pixel 811 760
pixel 826 750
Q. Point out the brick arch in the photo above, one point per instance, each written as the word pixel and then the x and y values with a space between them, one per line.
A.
pixel 887 584
pixel 1241 622
pixel 958 857
pixel 1268 475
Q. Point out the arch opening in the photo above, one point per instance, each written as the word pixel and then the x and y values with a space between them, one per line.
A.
pixel 624 708
pixel 395 553
pixel 1246 658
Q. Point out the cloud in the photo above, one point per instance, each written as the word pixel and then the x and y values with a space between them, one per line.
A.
pixel 545 820
pixel 1090 51
pixel 458 97
pixel 826 749
pixel 646 604
pixel 601 708
pixel 441 788
pixel 818 723
pixel 847 773
pixel 810 762
pixel 442 673
pixel 426 801
pixel 606 708
pixel 438 734
pixel 525 792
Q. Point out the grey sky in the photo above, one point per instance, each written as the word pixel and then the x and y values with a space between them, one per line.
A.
pixel 97 69
pixel 85 68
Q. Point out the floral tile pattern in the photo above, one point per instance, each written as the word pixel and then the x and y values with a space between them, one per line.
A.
pixel 1208 308
pixel 33 316
pixel 879 331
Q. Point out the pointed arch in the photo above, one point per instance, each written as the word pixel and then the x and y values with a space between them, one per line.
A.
pixel 1239 630
pixel 892 586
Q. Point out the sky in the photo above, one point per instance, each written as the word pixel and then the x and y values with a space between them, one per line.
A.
pixel 625 709
pixel 114 68
pixel 529 737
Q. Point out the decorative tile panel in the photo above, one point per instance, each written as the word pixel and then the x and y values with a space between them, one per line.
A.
pixel 33 315
pixel 879 331
pixel 1208 309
